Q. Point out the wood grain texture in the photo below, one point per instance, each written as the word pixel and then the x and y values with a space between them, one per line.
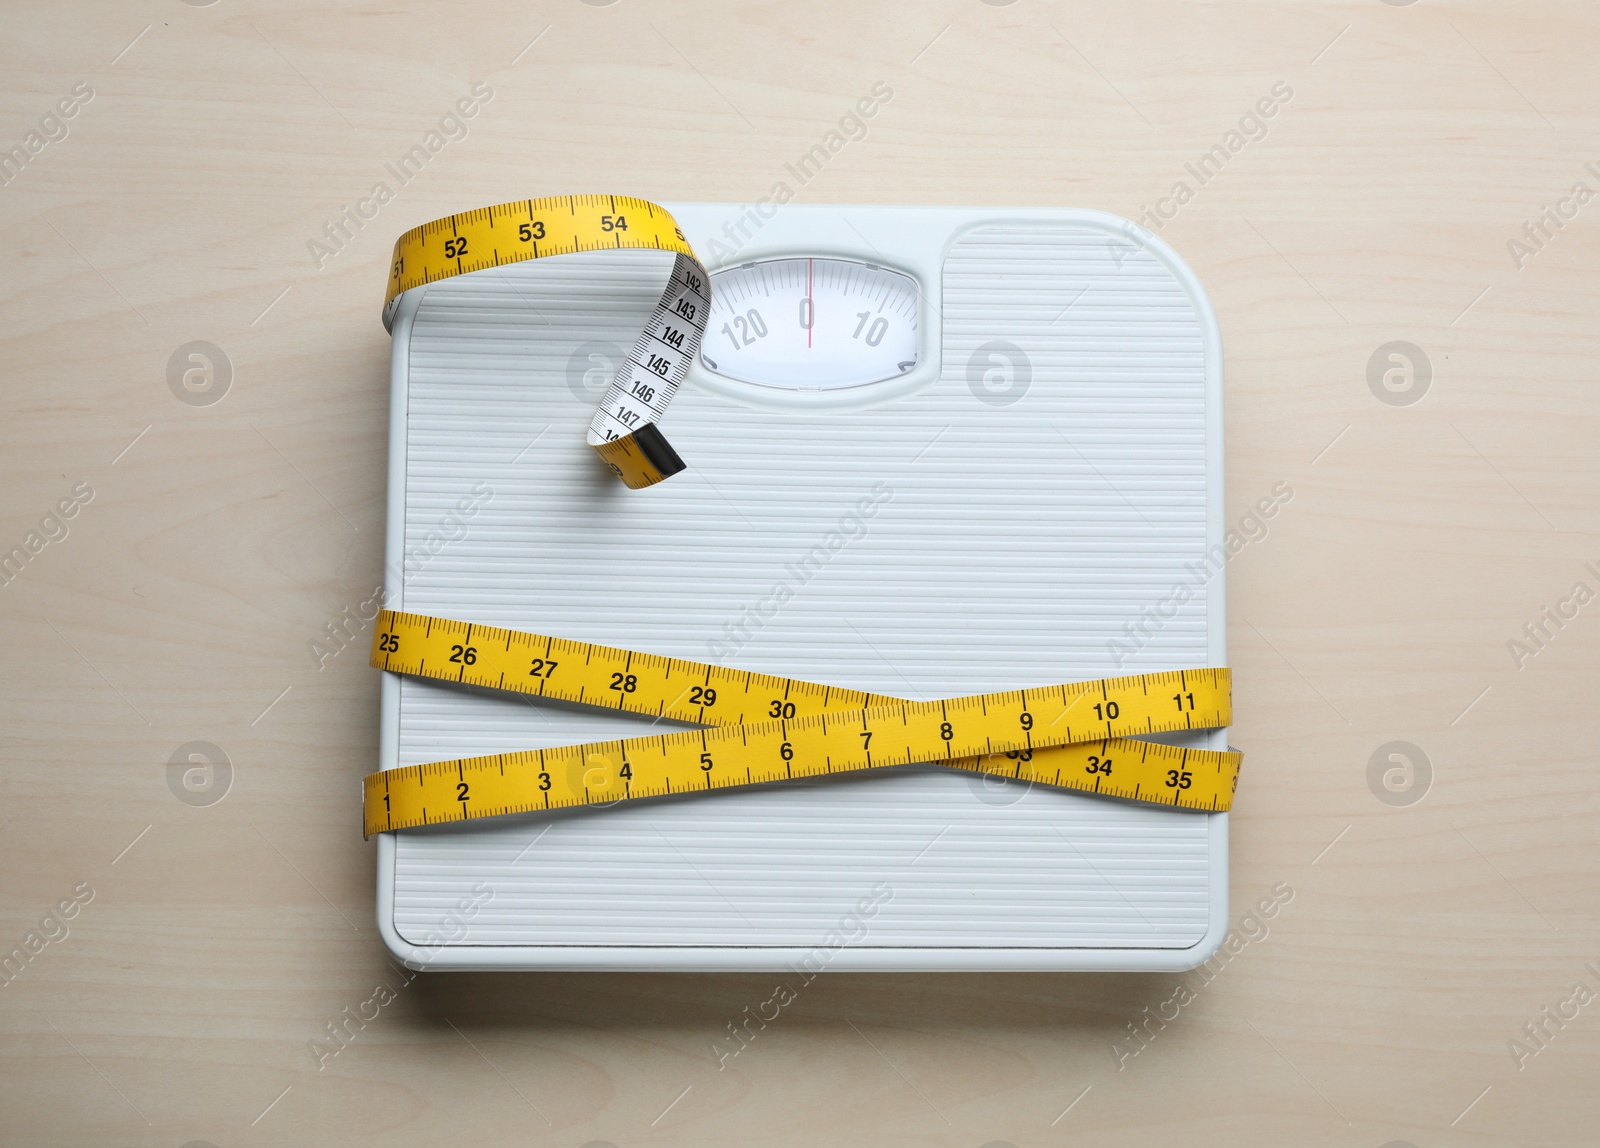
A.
pixel 222 539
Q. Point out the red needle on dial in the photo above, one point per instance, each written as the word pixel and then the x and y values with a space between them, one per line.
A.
pixel 811 308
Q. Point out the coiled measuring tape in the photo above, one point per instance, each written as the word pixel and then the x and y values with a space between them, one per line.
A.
pixel 766 728
pixel 623 432
pixel 762 727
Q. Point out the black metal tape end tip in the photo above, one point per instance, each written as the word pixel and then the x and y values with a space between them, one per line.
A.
pixel 658 451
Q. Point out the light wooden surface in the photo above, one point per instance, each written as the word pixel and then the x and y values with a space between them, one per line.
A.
pixel 1420 939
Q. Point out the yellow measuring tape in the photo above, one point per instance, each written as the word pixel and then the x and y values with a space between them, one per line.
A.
pixel 761 727
pixel 623 432
pixel 769 728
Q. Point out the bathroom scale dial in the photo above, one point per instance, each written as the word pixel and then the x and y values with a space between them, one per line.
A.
pixel 811 324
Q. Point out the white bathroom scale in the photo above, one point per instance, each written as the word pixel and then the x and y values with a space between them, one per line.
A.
pixel 931 452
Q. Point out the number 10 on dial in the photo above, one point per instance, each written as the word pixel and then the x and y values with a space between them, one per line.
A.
pixel 811 324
